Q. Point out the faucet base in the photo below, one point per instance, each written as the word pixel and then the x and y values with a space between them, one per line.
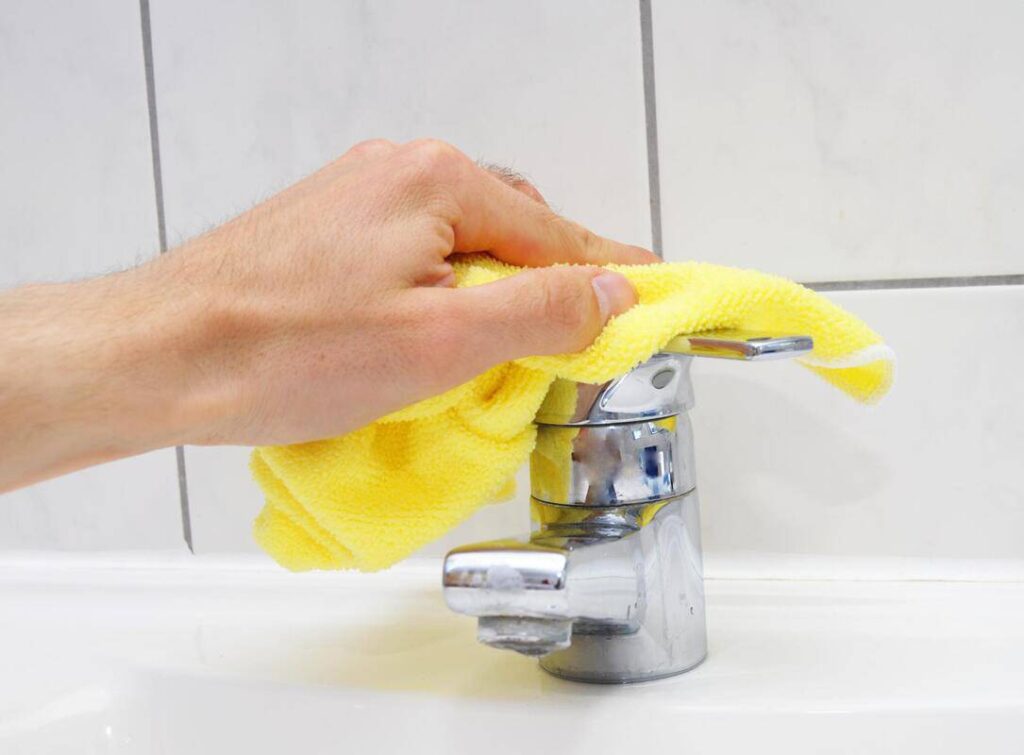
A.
pixel 605 594
pixel 666 633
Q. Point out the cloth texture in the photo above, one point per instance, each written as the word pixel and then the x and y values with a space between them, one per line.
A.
pixel 367 499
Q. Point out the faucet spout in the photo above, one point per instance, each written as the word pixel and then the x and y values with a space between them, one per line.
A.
pixel 631 572
pixel 518 589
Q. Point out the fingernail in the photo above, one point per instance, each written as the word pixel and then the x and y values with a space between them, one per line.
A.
pixel 614 294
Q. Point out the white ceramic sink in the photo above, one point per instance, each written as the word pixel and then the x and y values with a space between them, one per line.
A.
pixel 180 655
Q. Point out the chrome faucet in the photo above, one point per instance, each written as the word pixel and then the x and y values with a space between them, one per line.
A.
pixel 609 587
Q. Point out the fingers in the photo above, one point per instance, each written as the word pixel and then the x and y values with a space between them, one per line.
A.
pixel 446 279
pixel 543 311
pixel 487 214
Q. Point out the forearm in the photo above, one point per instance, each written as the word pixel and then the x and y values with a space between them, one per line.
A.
pixel 89 372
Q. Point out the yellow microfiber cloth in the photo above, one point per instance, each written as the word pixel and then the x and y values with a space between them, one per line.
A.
pixel 368 499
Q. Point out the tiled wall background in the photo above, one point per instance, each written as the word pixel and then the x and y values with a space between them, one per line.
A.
pixel 873 149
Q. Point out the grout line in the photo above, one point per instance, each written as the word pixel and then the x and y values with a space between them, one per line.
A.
pixel 158 186
pixel 896 283
pixel 651 116
pixel 186 513
pixel 654 191
pixel 154 132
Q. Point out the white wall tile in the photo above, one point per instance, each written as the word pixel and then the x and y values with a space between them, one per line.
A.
pixel 76 194
pixel 787 464
pixel 252 96
pixel 842 140
pixel 223 498
pixel 76 198
pixel 125 505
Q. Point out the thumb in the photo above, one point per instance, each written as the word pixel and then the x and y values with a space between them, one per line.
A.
pixel 551 310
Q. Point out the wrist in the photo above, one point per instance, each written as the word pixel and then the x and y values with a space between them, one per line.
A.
pixel 123 346
pixel 173 352
pixel 193 343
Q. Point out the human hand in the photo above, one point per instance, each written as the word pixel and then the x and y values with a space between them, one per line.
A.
pixel 314 313
pixel 330 305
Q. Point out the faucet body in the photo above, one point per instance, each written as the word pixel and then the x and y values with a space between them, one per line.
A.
pixel 609 585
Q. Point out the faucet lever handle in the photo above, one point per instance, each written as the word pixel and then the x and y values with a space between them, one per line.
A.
pixel 660 387
pixel 745 345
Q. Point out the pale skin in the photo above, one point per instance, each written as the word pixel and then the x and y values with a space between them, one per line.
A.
pixel 311 315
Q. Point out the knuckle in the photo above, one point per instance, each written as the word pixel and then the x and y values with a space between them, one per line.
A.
pixel 426 172
pixel 435 157
pixel 371 147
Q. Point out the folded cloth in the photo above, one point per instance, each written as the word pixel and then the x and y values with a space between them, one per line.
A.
pixel 368 499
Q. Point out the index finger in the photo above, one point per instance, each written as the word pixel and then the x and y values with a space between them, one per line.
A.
pixel 489 215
